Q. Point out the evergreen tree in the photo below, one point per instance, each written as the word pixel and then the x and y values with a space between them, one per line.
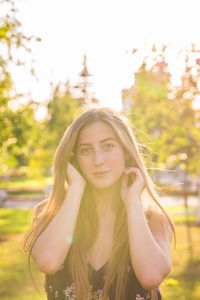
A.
pixel 82 92
pixel 62 109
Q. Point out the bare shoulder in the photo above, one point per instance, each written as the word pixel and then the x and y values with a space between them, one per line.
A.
pixel 157 221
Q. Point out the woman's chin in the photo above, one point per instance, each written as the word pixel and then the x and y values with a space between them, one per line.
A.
pixel 104 185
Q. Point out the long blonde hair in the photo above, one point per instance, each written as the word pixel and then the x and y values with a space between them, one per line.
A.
pixel 87 222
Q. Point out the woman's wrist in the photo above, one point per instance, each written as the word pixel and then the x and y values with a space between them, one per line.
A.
pixel 77 186
pixel 133 204
pixel 74 194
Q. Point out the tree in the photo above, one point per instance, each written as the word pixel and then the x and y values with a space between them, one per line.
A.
pixel 62 108
pixel 16 124
pixel 85 97
pixel 149 106
pixel 186 96
pixel 166 113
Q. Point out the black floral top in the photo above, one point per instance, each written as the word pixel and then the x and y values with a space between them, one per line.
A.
pixel 59 286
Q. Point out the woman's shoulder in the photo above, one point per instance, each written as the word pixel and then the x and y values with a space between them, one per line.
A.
pixel 159 224
pixel 157 219
pixel 155 215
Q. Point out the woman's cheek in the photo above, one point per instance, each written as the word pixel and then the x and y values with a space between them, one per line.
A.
pixel 83 165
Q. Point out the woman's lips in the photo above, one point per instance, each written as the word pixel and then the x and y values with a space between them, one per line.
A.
pixel 101 174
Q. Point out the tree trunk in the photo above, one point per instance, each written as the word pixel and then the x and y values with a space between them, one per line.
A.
pixel 198 197
pixel 185 200
pixel 186 189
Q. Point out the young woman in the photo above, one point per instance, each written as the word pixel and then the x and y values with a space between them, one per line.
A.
pixel 102 234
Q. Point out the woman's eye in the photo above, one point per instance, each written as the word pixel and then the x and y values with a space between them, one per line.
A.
pixel 85 150
pixel 108 146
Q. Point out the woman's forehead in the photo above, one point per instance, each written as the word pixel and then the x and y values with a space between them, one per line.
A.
pixel 96 132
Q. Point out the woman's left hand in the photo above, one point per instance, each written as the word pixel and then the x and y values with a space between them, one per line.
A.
pixel 132 185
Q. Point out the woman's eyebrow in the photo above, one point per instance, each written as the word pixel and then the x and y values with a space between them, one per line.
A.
pixel 107 139
pixel 102 141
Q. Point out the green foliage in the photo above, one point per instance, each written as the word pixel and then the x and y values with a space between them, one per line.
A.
pixel 62 110
pixel 23 140
pixel 11 35
pixel 19 137
pixel 16 124
pixel 166 114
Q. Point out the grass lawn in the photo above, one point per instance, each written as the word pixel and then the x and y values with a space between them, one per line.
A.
pixel 15 282
pixel 183 283
pixel 25 185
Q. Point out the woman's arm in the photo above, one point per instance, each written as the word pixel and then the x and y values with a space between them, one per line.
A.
pixel 149 244
pixel 149 250
pixel 52 246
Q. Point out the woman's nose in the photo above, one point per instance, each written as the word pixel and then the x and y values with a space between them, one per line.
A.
pixel 98 158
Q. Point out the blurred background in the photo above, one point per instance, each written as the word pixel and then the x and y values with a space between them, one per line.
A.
pixel 139 57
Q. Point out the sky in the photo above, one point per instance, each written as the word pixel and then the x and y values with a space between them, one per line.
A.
pixel 106 31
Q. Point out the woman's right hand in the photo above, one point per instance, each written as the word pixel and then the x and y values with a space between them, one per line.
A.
pixel 74 175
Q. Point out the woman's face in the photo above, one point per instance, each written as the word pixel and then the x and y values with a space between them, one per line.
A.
pixel 100 155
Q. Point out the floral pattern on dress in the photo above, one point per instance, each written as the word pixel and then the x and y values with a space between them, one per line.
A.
pixel 148 296
pixel 138 297
pixel 96 295
pixel 69 294
pixel 129 268
pixel 158 289
pixel 56 294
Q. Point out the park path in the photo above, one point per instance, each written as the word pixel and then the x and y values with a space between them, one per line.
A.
pixel 27 202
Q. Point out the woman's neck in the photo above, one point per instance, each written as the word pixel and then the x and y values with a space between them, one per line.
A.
pixel 106 200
